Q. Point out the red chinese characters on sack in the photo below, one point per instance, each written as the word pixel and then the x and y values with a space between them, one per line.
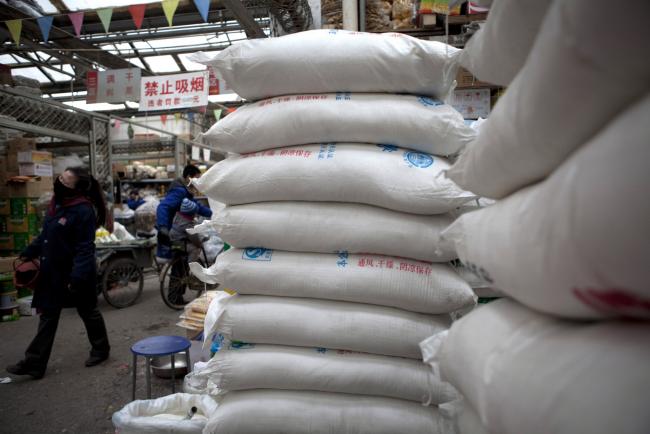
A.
pixel 614 301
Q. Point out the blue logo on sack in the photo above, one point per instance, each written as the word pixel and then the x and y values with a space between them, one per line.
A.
pixel 238 345
pixel 418 159
pixel 429 102
pixel 387 148
pixel 257 254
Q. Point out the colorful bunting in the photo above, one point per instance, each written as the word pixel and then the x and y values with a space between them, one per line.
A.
pixel 77 19
pixel 45 23
pixel 137 13
pixel 217 114
pixel 169 7
pixel 105 16
pixel 15 27
pixel 177 116
pixel 204 7
pixel 190 116
pixel 163 119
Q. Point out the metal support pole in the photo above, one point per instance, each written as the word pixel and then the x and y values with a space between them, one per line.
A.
pixel 173 373
pixel 148 376
pixel 187 361
pixel 350 15
pixel 362 15
pixel 178 156
pixel 135 365
pixel 92 148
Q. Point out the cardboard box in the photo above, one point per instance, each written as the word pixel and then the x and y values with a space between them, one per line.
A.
pixel 35 169
pixel 465 79
pixel 23 206
pixel 29 224
pixel 7 264
pixel 14 146
pixel 34 188
pixel 471 103
pixel 38 157
pixel 3 224
pixel 7 242
pixel 21 241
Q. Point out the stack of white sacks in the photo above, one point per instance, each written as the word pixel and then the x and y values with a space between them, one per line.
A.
pixel 335 203
pixel 566 152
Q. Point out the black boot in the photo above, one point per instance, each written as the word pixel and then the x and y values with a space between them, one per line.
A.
pixel 95 360
pixel 22 368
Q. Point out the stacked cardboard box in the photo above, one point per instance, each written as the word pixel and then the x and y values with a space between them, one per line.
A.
pixel 20 221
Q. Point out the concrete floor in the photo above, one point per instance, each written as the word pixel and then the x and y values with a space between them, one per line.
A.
pixel 72 398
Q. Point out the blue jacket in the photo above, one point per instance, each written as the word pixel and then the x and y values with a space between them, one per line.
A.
pixel 171 204
pixel 134 204
pixel 66 250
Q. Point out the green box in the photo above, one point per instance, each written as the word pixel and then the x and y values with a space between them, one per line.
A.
pixel 3 224
pixel 29 224
pixel 21 241
pixel 5 206
pixel 7 242
pixel 23 206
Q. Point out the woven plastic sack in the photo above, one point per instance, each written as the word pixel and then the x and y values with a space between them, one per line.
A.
pixel 319 323
pixel 497 51
pixel 383 280
pixel 323 61
pixel 525 372
pixel 575 245
pixel 253 366
pixel 301 412
pixel 573 67
pixel 409 121
pixel 165 415
pixel 381 175
pixel 326 227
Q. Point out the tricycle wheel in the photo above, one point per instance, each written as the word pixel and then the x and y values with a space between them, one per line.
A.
pixel 122 282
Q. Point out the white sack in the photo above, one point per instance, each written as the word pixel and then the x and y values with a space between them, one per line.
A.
pixel 165 415
pixel 245 367
pixel 575 245
pixel 324 61
pixel 408 121
pixel 338 325
pixel 383 280
pixel 381 175
pixel 498 50
pixel 576 79
pixel 525 372
pixel 293 412
pixel 326 227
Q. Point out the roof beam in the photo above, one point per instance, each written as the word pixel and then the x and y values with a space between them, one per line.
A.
pixel 243 15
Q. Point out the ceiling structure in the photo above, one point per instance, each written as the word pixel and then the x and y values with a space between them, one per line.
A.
pixel 60 65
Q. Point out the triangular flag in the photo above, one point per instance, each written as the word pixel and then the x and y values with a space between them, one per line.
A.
pixel 217 114
pixel 204 8
pixel 177 116
pixel 105 16
pixel 137 13
pixel 190 116
pixel 163 119
pixel 77 19
pixel 15 27
pixel 169 7
pixel 45 23
pixel 117 124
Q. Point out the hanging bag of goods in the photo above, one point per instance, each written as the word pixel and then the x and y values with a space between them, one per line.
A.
pixel 383 280
pixel 380 175
pixel 255 366
pixel 409 121
pixel 322 61
pixel 327 227
pixel 318 323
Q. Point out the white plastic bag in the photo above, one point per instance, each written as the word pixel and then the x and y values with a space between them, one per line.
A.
pixel 408 121
pixel 326 227
pixel 576 79
pixel 525 372
pixel 383 280
pixel 380 175
pixel 253 366
pixel 322 61
pixel 121 233
pixel 301 412
pixel 497 51
pixel 165 415
pixel 575 245
pixel 318 323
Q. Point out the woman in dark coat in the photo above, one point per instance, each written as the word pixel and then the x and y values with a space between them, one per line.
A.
pixel 66 251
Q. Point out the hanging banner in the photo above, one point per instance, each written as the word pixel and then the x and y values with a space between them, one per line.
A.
pixel 217 83
pixel 196 153
pixel 113 85
pixel 206 155
pixel 165 92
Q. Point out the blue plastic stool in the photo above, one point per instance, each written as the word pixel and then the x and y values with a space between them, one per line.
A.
pixel 158 346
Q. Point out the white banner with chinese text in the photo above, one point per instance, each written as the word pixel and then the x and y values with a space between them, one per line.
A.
pixel 165 92
pixel 113 85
